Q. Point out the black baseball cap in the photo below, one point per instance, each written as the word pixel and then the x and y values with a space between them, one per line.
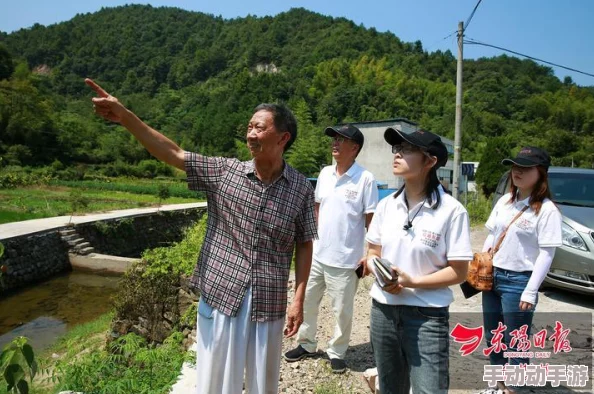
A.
pixel 349 131
pixel 425 140
pixel 530 156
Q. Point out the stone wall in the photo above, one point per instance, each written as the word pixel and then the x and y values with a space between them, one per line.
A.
pixel 153 307
pixel 36 257
pixel 130 236
pixel 31 258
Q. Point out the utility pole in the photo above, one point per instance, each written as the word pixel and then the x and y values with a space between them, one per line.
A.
pixel 458 127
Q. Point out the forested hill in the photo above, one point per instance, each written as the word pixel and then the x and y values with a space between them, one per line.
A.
pixel 197 77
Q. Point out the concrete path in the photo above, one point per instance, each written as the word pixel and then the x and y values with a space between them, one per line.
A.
pixel 15 229
pixel 186 382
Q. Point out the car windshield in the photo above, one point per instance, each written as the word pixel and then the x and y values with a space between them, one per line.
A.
pixel 572 189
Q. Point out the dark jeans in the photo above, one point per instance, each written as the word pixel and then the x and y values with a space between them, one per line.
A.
pixel 411 348
pixel 502 304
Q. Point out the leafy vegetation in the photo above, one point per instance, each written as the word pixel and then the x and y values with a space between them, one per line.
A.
pixel 150 287
pixel 127 366
pixel 163 193
pixel 80 361
pixel 130 363
pixel 479 208
pixel 78 341
pixel 180 258
pixel 197 77
pixel 17 366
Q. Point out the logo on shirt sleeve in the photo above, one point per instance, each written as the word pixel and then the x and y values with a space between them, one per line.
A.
pixel 429 238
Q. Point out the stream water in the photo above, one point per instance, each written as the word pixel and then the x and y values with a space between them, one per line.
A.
pixel 49 309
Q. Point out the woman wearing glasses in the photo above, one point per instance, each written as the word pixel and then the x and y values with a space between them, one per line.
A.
pixel 424 233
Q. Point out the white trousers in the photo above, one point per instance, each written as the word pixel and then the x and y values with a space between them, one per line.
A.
pixel 228 347
pixel 341 286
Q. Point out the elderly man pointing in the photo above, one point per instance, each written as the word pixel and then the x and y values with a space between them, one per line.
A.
pixel 259 211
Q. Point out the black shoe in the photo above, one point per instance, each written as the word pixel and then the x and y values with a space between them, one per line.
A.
pixel 297 354
pixel 338 365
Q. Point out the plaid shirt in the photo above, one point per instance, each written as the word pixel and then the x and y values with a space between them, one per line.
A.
pixel 250 235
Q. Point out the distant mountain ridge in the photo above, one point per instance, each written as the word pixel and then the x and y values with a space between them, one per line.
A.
pixel 197 77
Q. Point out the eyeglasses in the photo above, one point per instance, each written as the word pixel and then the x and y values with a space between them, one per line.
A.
pixel 517 168
pixel 405 149
pixel 339 139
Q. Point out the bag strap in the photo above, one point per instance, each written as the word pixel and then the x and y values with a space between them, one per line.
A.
pixel 505 232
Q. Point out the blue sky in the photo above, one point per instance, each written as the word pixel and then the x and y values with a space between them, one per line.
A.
pixel 557 31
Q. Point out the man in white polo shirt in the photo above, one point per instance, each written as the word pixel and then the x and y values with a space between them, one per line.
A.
pixel 346 197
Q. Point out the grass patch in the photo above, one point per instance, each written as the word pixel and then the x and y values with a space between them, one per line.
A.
pixel 329 388
pixel 13 216
pixel 135 186
pixel 26 203
pixel 479 208
pixel 84 336
pixel 130 366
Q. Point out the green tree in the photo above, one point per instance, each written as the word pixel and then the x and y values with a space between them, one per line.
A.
pixel 6 65
pixel 163 193
pixel 490 169
pixel 311 150
pixel 196 78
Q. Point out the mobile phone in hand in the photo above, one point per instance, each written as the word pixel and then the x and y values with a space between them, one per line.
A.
pixel 359 271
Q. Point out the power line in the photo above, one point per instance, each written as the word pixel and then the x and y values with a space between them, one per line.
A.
pixel 471 15
pixel 470 41
pixel 440 40
pixel 449 35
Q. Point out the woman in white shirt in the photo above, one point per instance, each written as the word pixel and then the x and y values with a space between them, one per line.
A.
pixel 524 257
pixel 424 233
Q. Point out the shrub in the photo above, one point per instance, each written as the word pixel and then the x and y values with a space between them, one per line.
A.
pixel 151 287
pixel 128 366
pixel 148 297
pixel 72 173
pixel 57 165
pixel 163 193
pixel 119 168
pixel 479 208
pixel 78 200
pixel 11 179
pixel 177 189
pixel 179 258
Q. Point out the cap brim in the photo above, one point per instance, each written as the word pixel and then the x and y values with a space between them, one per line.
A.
pixel 393 137
pixel 519 162
pixel 330 132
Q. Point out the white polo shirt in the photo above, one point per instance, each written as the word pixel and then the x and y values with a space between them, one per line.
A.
pixel 436 237
pixel 344 202
pixel 520 247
